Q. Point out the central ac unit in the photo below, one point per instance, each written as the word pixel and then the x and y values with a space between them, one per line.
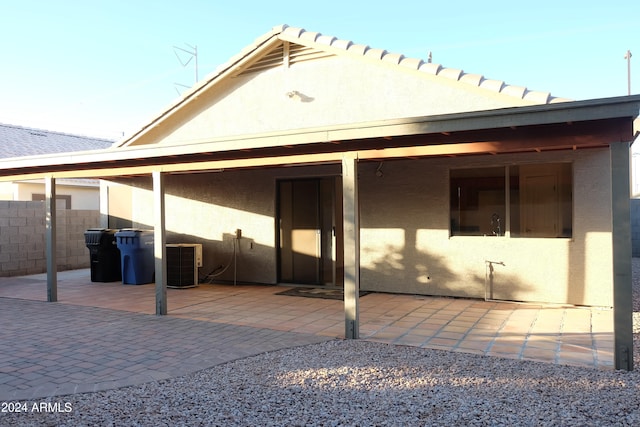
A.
pixel 183 260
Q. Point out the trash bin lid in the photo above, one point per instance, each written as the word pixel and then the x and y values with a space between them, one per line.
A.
pixel 128 232
pixel 134 233
pixel 100 230
pixel 99 236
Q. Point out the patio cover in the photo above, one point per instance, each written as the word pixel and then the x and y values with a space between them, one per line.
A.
pixel 567 125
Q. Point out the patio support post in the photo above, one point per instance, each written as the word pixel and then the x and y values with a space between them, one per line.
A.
pixel 621 235
pixel 351 245
pixel 159 242
pixel 104 205
pixel 50 238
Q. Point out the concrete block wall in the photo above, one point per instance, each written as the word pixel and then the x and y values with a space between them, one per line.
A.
pixel 22 238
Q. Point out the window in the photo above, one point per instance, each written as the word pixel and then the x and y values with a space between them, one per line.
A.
pixel 478 201
pixel 538 203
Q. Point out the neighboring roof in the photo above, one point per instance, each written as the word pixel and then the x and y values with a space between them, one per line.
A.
pixel 266 52
pixel 18 141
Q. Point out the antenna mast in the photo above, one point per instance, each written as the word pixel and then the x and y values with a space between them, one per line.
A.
pixel 193 54
pixel 627 56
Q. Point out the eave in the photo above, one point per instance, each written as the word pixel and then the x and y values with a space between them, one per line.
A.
pixel 569 125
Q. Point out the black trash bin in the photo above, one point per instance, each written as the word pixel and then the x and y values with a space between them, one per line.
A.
pixel 104 255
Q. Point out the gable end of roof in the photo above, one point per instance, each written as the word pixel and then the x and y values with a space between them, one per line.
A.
pixel 292 33
pixel 286 45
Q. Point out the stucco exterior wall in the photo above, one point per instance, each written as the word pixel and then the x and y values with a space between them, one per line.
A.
pixel 325 94
pixel 82 197
pixel 406 246
pixel 208 208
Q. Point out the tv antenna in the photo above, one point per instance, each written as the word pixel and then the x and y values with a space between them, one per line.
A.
pixel 627 56
pixel 190 54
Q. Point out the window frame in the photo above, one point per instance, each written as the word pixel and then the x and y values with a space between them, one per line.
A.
pixel 566 194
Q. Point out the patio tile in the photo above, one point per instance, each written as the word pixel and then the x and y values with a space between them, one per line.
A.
pixel 472 344
pixel 530 331
pixel 443 342
pixel 450 335
pixel 451 327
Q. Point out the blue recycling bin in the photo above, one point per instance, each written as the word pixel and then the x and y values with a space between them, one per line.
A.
pixel 137 257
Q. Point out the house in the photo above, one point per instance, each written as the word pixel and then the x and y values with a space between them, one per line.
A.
pixel 313 160
pixel 18 141
pixel 22 227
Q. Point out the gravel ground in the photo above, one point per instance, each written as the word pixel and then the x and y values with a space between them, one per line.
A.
pixel 358 383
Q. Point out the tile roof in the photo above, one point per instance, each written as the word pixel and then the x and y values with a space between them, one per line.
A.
pixel 18 141
pixel 536 97
pixel 304 37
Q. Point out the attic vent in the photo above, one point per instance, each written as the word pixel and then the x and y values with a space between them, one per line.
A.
pixel 271 60
pixel 298 53
pixel 37 134
pixel 275 58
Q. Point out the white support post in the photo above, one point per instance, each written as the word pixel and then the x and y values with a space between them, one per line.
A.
pixel 351 226
pixel 104 204
pixel 159 242
pixel 50 238
pixel 622 282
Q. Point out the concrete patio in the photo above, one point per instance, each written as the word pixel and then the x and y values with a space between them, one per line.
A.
pixel 548 333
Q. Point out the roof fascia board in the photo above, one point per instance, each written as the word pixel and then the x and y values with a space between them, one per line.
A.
pixel 573 111
pixel 275 161
pixel 186 167
pixel 566 112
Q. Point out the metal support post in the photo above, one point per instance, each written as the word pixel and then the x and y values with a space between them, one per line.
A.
pixel 351 245
pixel 622 283
pixel 50 244
pixel 159 242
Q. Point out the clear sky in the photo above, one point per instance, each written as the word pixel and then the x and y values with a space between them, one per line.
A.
pixel 105 67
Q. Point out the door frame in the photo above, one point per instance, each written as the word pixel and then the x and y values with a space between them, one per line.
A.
pixel 332 233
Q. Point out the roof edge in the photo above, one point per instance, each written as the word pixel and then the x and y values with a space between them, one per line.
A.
pixel 574 111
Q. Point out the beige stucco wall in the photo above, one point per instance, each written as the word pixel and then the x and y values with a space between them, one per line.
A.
pixel 82 197
pixel 406 247
pixel 405 242
pixel 6 191
pixel 208 208
pixel 331 91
